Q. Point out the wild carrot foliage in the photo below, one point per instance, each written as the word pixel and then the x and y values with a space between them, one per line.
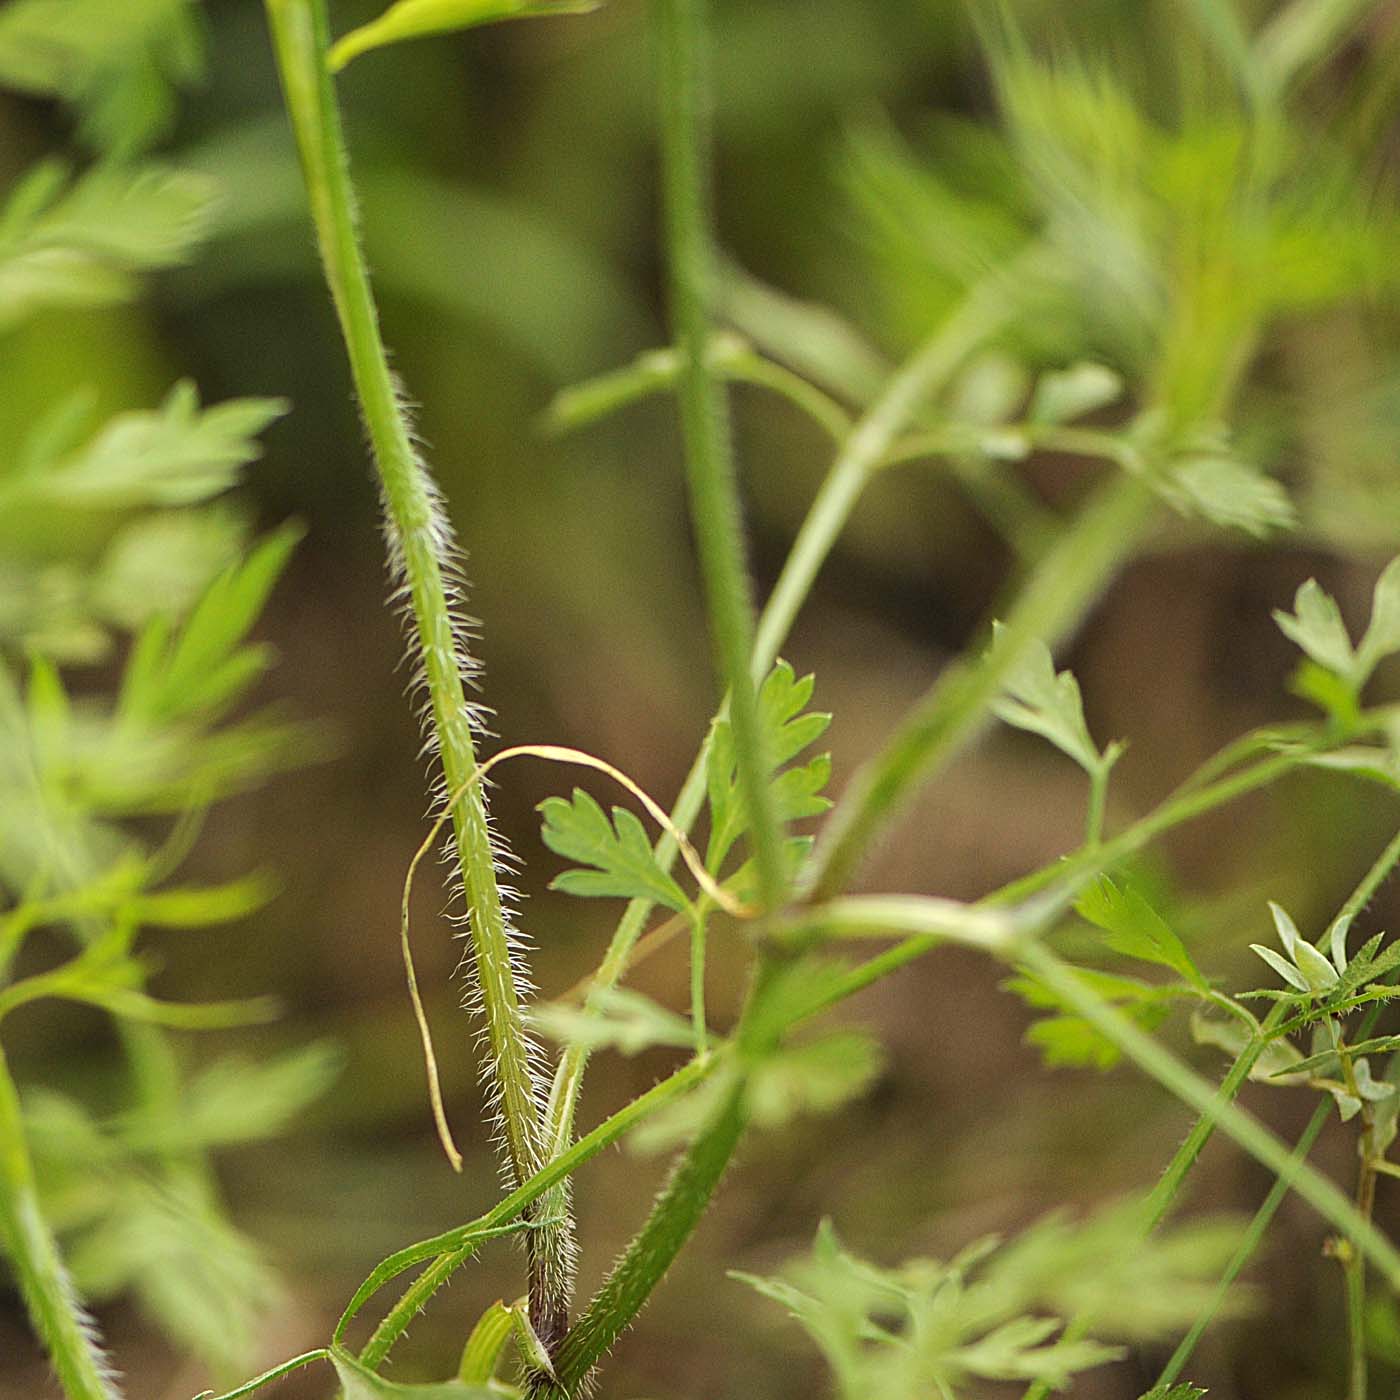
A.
pixel 1096 277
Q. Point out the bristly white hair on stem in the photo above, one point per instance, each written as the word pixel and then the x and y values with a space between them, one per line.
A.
pixel 425 566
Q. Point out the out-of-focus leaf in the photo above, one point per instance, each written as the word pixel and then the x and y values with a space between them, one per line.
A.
pixel 208 1285
pixel 415 19
pixel 927 1327
pixel 1066 1040
pixel 161 563
pixel 1382 637
pixel 176 455
pixel 819 1076
pixel 205 666
pixel 237 1100
pixel 119 63
pixel 78 243
pixel 1071 393
pixel 617 1017
pixel 1277 1060
pixel 1229 493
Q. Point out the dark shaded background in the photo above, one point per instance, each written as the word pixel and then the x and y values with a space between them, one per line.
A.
pixel 509 204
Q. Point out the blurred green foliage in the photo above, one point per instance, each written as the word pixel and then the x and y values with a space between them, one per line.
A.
pixel 1155 210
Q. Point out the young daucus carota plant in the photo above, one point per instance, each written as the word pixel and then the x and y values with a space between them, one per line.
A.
pixel 1164 249
pixel 1173 450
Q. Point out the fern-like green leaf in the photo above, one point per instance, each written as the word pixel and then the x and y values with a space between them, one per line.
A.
pixel 788 728
pixel 176 455
pixel 1131 926
pixel 621 857
pixel 79 242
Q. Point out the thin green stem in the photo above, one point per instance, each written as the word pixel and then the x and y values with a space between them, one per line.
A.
pixel 1174 812
pixel 684 55
pixel 1188 1086
pixel 1074 868
pixel 420 538
pixel 1065 583
pixel 682 1203
pixel 978 316
pixel 1098 800
pixel 697 979
pixel 912 386
pixel 1354 1276
pixel 307 1358
pixel 1248 1246
pixel 64 1327
pixel 1168 1187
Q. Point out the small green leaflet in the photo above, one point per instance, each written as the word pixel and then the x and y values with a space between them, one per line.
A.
pixel 79 242
pixel 1071 393
pixel 1066 1040
pixel 176 455
pixel 1316 626
pixel 1036 699
pixel 1176 1392
pixel 204 667
pixel 415 19
pixel 1131 926
pixel 1230 493
pixel 617 1018
pixel 788 728
pixel 1368 965
pixel 624 865
pixel 1309 971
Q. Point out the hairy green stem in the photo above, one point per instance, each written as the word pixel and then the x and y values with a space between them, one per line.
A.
pixel 58 1317
pixel 684 54
pixel 420 536
pixel 673 1218
pixel 1063 585
pixel 680 1206
pixel 450 1251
